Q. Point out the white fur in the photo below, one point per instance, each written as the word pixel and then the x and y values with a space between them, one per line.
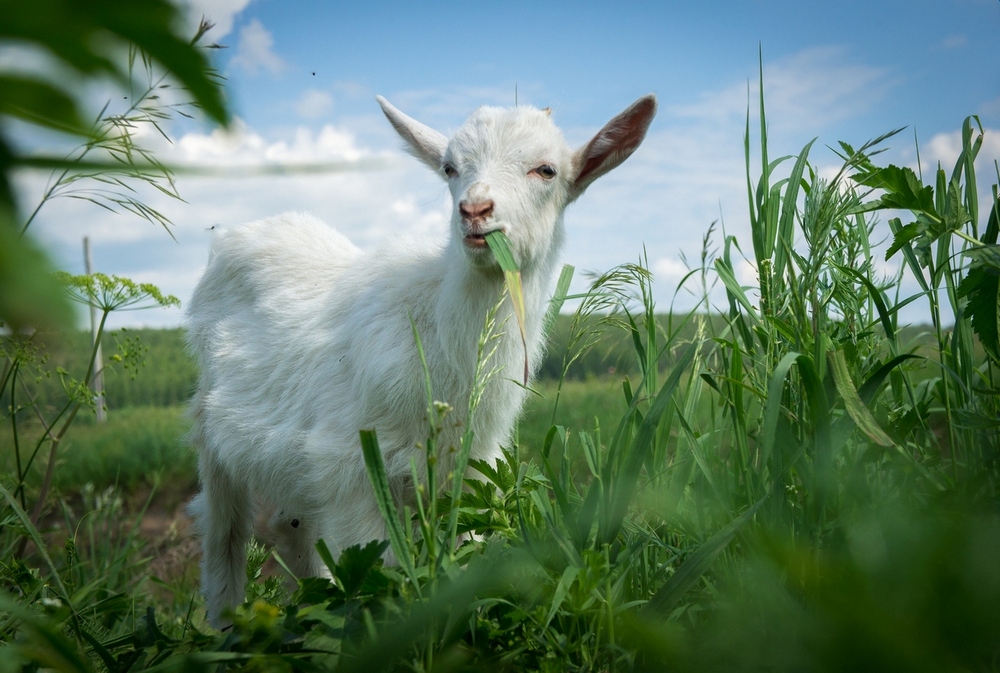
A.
pixel 303 340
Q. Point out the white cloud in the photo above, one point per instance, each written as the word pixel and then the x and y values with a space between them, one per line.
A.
pixel 240 146
pixel 30 59
pixel 669 269
pixel 808 91
pixel 313 104
pixel 746 273
pixel 255 51
pixel 403 200
pixel 955 41
pixel 945 148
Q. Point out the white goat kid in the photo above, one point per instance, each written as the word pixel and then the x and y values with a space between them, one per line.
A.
pixel 303 340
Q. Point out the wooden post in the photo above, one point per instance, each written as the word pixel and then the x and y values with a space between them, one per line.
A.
pixel 99 363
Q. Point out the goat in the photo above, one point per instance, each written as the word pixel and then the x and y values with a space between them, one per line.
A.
pixel 303 340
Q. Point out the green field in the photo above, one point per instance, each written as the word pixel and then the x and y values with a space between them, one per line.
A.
pixel 143 444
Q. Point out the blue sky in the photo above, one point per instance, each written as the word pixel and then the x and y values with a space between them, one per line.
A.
pixel 937 59
pixel 302 78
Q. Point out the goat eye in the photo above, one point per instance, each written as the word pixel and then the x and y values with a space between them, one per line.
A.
pixel 450 171
pixel 545 171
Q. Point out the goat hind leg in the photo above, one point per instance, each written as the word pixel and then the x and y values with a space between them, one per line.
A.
pixel 224 515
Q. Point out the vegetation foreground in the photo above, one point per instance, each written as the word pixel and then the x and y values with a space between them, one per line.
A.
pixel 796 484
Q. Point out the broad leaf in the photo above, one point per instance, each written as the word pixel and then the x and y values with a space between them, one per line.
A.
pixel 982 287
pixel 903 236
pixel 30 294
pixel 903 189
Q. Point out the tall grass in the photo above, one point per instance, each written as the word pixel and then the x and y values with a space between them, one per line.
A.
pixel 798 486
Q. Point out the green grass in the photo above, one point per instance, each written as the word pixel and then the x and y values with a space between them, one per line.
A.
pixel 583 405
pixel 136 447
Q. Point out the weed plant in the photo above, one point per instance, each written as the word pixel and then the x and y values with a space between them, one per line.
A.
pixel 169 373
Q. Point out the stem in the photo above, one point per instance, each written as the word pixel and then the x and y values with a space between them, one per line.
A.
pixel 13 428
pixel 50 468
pixel 48 194
pixel 559 386
pixel 86 148
pixel 936 317
pixel 45 424
pixel 87 379
pixel 57 439
pixel 8 367
pixel 974 241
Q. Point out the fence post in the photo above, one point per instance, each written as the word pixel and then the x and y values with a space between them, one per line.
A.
pixel 99 364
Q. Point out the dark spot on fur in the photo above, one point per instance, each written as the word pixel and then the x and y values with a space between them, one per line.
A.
pixel 295 523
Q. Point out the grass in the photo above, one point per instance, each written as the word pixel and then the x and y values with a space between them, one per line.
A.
pixel 136 447
pixel 583 405
pixel 795 485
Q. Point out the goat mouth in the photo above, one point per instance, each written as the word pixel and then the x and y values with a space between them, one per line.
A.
pixel 477 240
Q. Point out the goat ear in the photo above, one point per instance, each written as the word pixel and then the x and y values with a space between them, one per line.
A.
pixel 613 144
pixel 423 142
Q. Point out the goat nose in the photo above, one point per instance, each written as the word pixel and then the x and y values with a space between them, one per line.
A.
pixel 477 210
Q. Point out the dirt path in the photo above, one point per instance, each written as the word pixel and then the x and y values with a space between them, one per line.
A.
pixel 171 542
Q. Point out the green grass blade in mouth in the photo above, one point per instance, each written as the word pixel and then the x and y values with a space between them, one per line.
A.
pixel 499 244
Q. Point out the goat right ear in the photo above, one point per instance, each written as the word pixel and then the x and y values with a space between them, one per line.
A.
pixel 613 144
pixel 422 141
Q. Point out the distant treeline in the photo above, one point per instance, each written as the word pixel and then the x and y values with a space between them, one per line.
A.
pixel 162 373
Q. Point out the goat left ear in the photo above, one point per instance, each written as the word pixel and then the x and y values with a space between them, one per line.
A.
pixel 613 144
pixel 422 141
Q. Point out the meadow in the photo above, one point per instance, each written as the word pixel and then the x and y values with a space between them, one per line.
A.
pixel 792 481
pixel 142 442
